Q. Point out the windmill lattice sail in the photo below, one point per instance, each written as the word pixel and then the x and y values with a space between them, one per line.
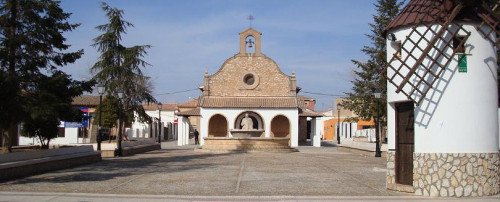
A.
pixel 429 47
pixel 490 18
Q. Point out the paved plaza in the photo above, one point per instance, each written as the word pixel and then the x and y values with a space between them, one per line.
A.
pixel 186 174
pixel 313 171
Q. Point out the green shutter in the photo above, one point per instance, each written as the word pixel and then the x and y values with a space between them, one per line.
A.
pixel 462 63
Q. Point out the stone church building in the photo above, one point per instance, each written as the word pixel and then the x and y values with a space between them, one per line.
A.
pixel 250 88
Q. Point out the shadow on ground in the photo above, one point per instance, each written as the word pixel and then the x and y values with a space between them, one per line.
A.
pixel 124 167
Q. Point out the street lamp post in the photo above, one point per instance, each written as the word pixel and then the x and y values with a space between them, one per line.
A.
pixel 377 96
pixel 100 90
pixel 159 122
pixel 338 123
pixel 119 141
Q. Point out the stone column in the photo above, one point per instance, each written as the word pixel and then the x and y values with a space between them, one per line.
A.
pixel 315 133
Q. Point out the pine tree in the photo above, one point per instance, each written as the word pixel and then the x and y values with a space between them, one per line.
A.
pixel 31 45
pixel 370 75
pixel 119 68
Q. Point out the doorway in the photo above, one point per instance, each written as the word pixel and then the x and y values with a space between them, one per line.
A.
pixel 405 141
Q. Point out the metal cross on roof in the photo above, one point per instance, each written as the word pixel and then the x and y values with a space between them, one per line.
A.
pixel 250 18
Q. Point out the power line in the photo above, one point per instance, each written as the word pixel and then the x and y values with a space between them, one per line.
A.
pixel 176 92
pixel 325 94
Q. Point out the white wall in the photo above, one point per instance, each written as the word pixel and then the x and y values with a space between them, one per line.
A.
pixel 460 113
pixel 142 130
pixel 70 137
pixel 266 114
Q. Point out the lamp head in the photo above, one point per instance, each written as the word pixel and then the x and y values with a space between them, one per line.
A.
pixel 120 94
pixel 391 37
pixel 100 89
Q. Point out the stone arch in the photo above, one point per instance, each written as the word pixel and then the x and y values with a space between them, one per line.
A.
pixel 258 122
pixel 256 39
pixel 250 44
pixel 217 126
pixel 280 126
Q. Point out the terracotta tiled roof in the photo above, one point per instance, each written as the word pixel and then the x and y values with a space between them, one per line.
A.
pixel 164 107
pixel 301 97
pixel 86 100
pixel 192 112
pixel 246 102
pixel 309 113
pixel 434 11
pixel 189 104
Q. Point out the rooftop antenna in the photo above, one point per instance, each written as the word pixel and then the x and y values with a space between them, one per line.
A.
pixel 250 18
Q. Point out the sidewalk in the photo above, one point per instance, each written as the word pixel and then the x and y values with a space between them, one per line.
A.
pixel 172 145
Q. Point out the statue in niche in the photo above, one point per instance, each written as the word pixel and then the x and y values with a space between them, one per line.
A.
pixel 247 123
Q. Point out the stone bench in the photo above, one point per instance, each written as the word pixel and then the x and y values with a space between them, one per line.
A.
pixel 22 164
pixel 131 150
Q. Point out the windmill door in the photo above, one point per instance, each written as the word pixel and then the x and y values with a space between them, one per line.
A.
pixel 404 143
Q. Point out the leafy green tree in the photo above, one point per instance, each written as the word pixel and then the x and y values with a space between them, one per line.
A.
pixel 50 103
pixel 31 44
pixel 119 67
pixel 370 74
pixel 109 111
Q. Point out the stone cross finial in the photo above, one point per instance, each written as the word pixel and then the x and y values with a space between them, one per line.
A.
pixel 250 18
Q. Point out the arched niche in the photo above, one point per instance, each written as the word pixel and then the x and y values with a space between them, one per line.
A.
pixel 250 44
pixel 280 126
pixel 217 126
pixel 258 123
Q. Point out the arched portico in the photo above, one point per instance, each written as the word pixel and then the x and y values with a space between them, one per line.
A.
pixel 217 126
pixel 280 126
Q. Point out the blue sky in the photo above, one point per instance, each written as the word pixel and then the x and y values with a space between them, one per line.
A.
pixel 315 39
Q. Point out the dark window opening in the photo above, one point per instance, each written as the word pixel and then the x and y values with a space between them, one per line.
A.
pixel 459 48
pixel 61 132
pixel 397 46
pixel 82 133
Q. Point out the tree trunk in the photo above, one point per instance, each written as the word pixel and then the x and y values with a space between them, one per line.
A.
pixel 10 135
pixel 119 141
pixel 9 138
pixel 5 142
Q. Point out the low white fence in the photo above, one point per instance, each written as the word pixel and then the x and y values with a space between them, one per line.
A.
pixel 368 133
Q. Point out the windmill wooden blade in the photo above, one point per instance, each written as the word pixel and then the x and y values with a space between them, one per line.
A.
pixel 425 53
pixel 490 18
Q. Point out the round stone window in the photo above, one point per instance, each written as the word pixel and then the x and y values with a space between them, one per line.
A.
pixel 250 80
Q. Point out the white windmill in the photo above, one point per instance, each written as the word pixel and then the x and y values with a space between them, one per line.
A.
pixel 443 136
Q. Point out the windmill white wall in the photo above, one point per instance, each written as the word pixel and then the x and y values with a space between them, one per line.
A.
pixel 459 115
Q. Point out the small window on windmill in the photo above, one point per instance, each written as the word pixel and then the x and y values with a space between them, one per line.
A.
pixel 458 46
pixel 459 49
pixel 397 47
pixel 250 44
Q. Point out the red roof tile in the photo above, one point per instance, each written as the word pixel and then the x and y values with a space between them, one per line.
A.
pixel 246 102
pixel 189 104
pixel 192 112
pixel 86 100
pixel 164 107
pixel 434 11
